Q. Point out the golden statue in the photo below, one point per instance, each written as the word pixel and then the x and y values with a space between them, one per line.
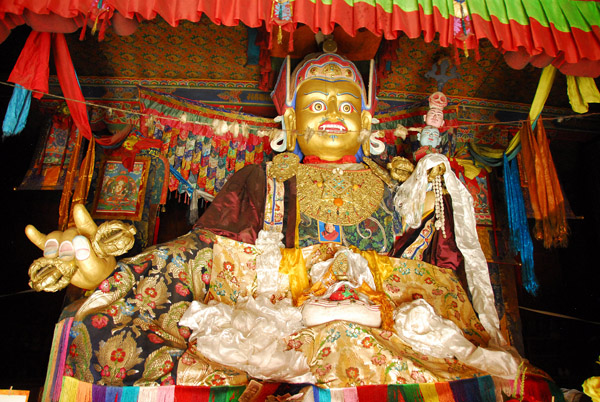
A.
pixel 325 269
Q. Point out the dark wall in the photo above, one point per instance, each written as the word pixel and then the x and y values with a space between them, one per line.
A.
pixel 569 277
pixel 28 318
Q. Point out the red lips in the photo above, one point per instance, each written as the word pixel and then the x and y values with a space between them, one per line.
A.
pixel 333 127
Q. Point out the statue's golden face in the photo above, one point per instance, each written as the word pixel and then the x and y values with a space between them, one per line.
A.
pixel 333 111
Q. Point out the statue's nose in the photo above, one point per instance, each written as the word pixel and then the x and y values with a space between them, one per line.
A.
pixel 332 108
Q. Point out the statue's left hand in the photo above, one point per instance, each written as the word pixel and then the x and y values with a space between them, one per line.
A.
pixel 68 256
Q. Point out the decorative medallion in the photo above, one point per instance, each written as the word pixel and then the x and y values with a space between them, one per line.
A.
pixel 283 167
pixel 340 197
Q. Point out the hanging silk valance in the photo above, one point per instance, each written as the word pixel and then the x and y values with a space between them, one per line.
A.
pixel 565 33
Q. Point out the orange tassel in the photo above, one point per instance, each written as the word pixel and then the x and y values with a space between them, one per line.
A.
pixel 85 179
pixel 65 199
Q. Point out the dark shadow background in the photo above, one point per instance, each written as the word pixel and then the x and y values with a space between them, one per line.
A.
pixel 569 278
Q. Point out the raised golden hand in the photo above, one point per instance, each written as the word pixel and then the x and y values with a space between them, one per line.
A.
pixel 69 256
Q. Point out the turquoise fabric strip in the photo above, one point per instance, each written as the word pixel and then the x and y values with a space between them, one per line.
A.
pixel 517 222
pixel 321 395
pixel 130 394
pixel 17 111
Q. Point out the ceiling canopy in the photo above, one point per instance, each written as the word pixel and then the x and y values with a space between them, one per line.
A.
pixel 565 33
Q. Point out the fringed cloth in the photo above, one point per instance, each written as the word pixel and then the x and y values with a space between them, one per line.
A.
pixel 546 195
pixel 56 363
pixel 479 389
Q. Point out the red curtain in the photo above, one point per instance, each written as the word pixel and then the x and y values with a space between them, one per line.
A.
pixel 32 70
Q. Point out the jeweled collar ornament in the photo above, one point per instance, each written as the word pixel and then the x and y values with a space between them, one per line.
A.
pixel 338 196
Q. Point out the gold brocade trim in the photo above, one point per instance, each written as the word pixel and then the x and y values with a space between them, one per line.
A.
pixel 65 199
pixel 340 197
pixel 84 181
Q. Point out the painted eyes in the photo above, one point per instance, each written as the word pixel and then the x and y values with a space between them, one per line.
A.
pixel 347 107
pixel 317 106
pixel 320 106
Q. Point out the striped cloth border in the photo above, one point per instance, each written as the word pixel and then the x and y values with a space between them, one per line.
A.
pixel 469 390
pixel 479 389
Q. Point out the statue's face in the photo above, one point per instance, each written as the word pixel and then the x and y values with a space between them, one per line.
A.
pixel 333 110
pixel 434 117
pixel 430 136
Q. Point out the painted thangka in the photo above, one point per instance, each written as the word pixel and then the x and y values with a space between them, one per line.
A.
pixel 121 191
pixel 52 155
pixel 154 193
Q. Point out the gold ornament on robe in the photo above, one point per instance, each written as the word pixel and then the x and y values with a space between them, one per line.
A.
pixel 283 167
pixel 340 197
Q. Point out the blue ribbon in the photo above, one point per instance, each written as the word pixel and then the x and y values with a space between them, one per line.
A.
pixel 17 111
pixel 520 238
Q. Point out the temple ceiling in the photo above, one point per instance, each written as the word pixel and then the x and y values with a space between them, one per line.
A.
pixel 205 51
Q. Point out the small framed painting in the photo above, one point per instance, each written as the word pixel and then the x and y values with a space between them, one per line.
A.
pixel 329 233
pixel 120 192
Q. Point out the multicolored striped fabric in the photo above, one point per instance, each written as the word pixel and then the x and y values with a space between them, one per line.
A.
pixel 56 363
pixel 480 389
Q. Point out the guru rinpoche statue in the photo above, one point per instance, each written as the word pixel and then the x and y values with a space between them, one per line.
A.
pixel 318 269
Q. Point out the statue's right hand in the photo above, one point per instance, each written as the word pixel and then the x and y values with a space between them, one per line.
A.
pixel 70 248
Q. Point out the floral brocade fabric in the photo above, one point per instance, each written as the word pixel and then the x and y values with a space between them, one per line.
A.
pixel 440 287
pixel 343 354
pixel 127 332
pixel 234 271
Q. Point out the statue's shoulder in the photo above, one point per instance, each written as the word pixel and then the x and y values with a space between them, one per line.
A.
pixel 283 166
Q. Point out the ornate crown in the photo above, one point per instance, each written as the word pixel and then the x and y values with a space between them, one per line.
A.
pixel 328 66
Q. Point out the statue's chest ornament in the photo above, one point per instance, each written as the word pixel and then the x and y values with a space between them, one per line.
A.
pixel 340 197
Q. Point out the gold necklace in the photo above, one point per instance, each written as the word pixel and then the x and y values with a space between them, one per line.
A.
pixel 340 197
